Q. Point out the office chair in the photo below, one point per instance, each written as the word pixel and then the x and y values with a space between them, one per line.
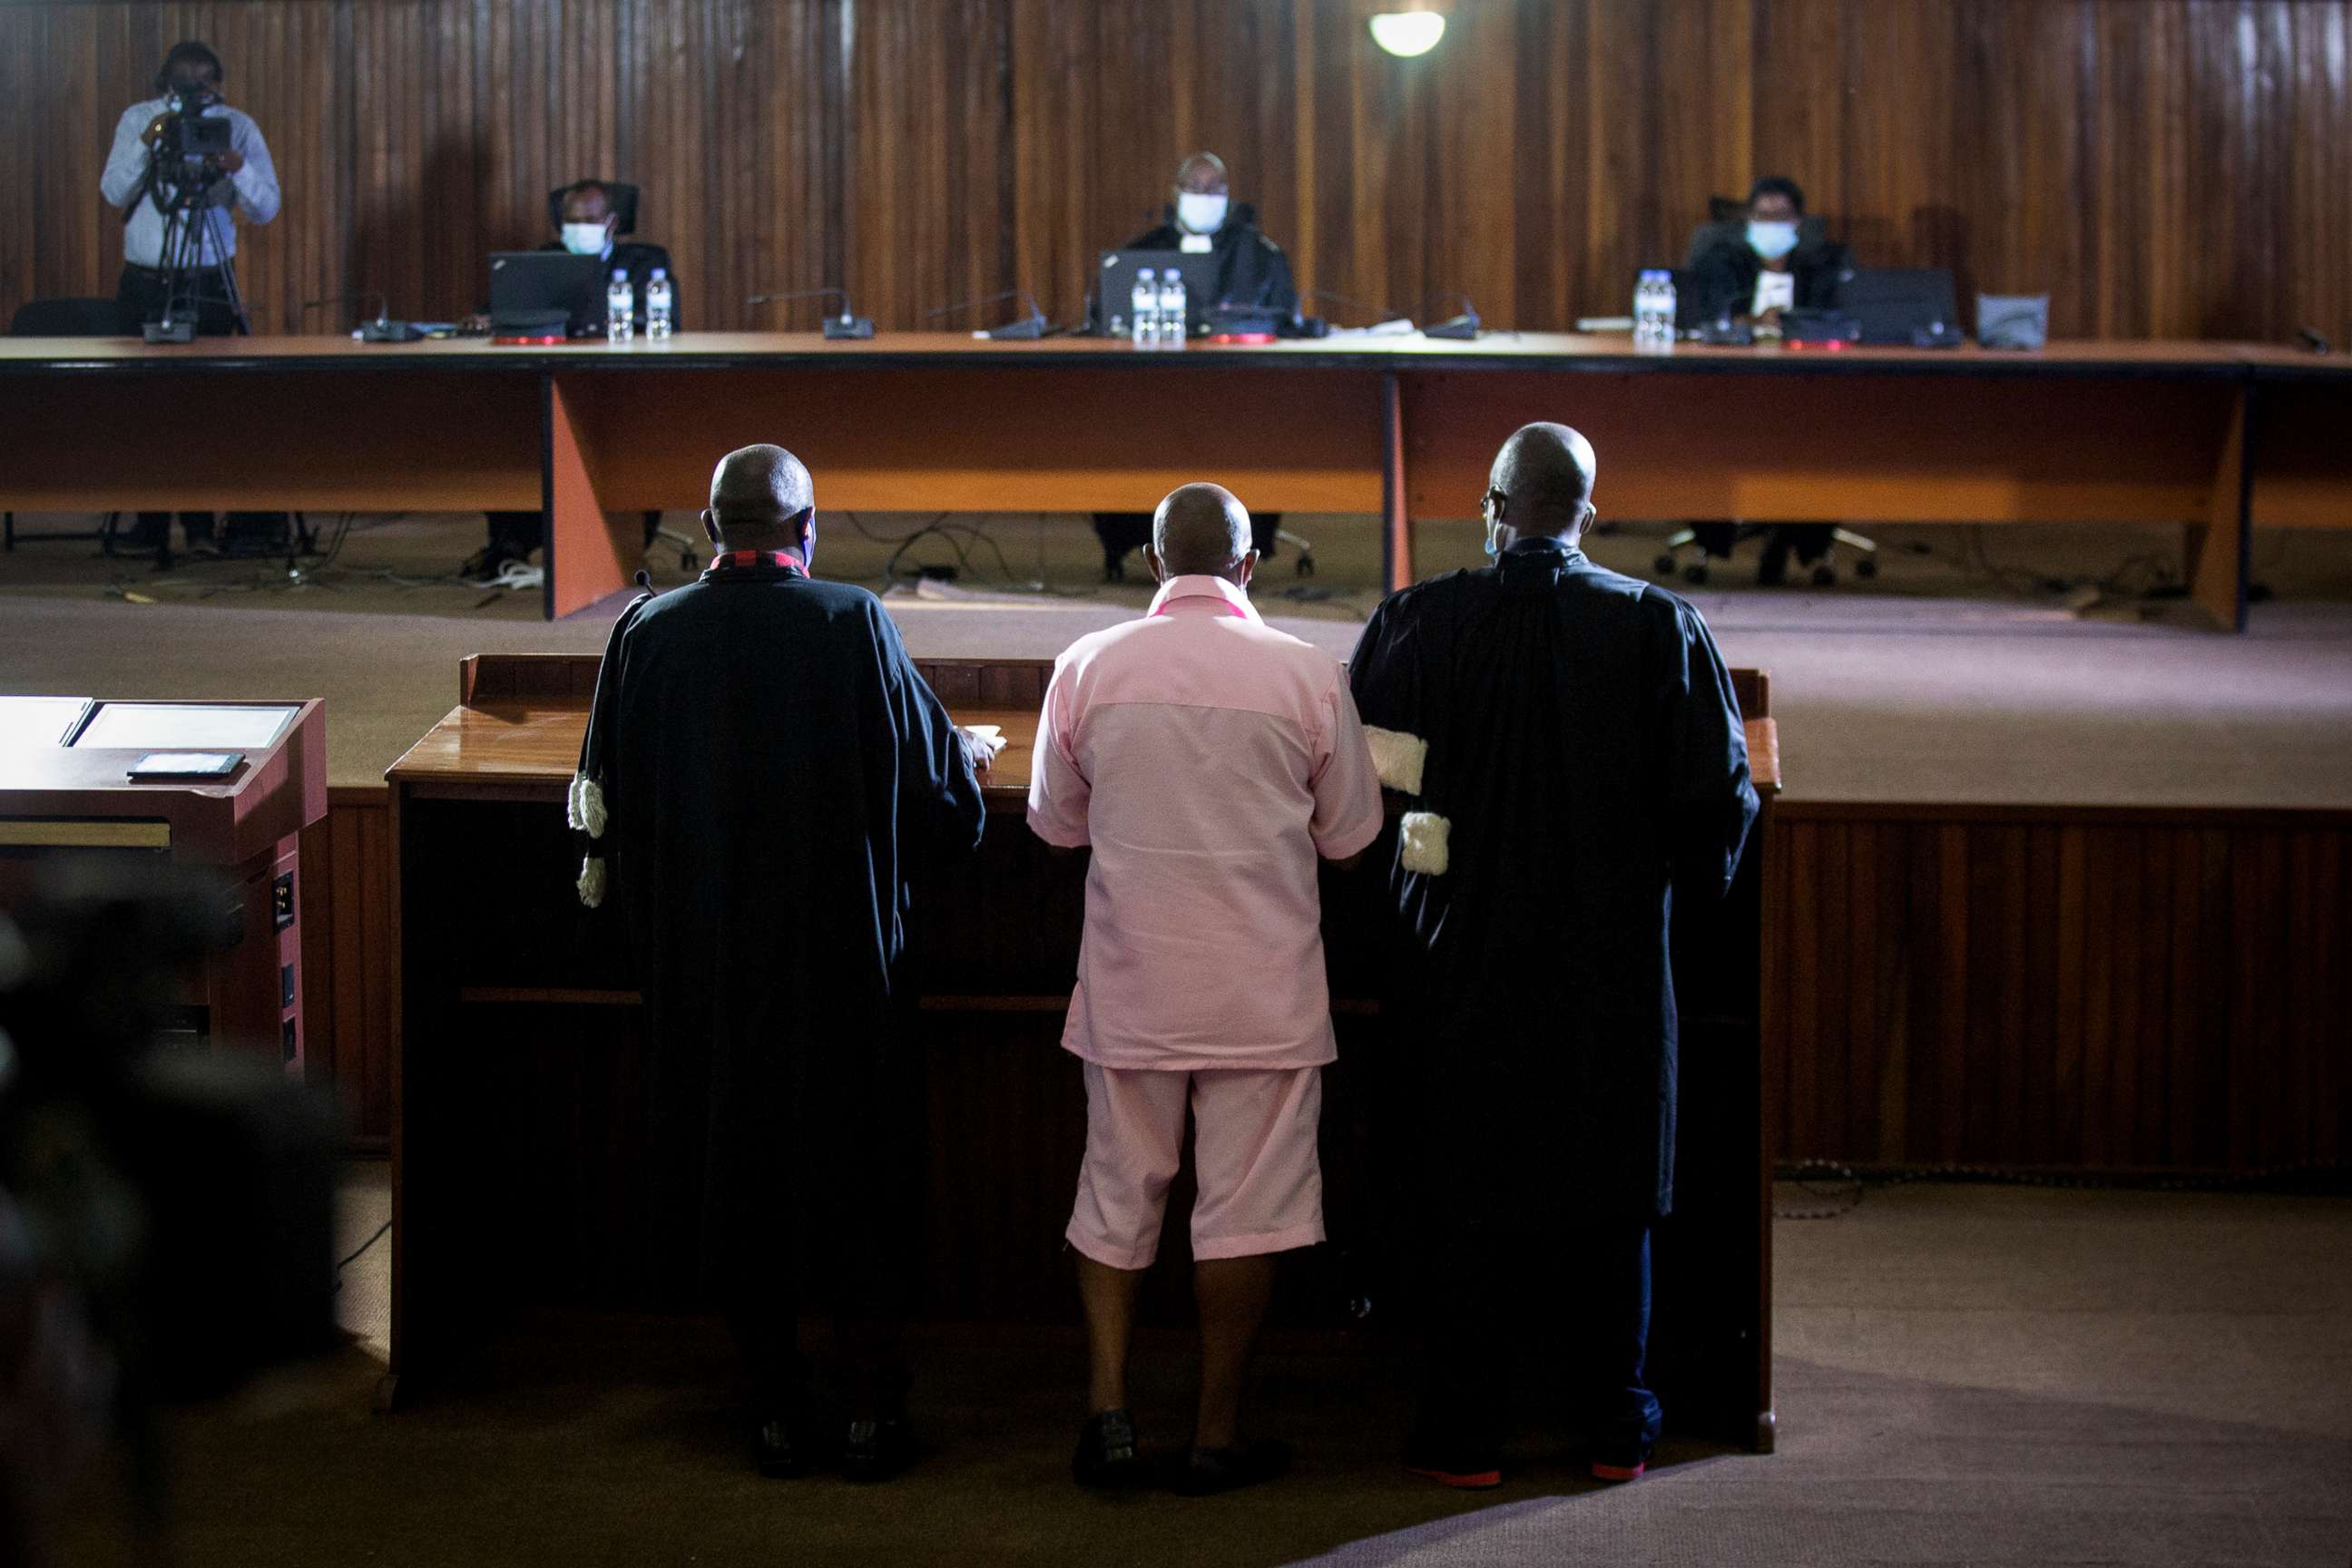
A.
pixel 65 319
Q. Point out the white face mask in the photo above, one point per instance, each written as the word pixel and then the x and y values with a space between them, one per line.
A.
pixel 1771 240
pixel 1200 214
pixel 584 238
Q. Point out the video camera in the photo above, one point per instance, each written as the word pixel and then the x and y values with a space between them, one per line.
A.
pixel 190 134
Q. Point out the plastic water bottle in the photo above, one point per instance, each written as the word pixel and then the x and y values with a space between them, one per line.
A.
pixel 1653 311
pixel 620 308
pixel 659 314
pixel 1174 323
pixel 1143 309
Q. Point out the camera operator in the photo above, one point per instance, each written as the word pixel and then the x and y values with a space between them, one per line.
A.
pixel 189 85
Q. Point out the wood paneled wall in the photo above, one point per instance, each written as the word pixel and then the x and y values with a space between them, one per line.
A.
pixel 2102 989
pixel 347 952
pixel 2160 167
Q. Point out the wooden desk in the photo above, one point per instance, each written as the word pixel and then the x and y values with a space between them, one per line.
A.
pixel 517 1135
pixel 2212 437
pixel 70 798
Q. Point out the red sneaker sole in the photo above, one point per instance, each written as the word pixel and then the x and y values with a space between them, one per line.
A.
pixel 1618 1472
pixel 1460 1480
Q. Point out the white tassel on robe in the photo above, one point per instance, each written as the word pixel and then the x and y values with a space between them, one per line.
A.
pixel 1398 757
pixel 583 806
pixel 591 882
pixel 1421 839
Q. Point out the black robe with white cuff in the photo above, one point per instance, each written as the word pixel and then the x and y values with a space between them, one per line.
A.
pixel 1576 762
pixel 764 778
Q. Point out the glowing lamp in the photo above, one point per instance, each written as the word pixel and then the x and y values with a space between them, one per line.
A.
pixel 1408 34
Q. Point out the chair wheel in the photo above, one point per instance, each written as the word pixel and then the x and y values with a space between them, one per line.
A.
pixel 1824 578
pixel 1865 568
pixel 1664 565
pixel 1306 567
pixel 1694 574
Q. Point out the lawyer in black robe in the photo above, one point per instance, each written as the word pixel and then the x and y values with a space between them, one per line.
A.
pixel 1578 763
pixel 766 777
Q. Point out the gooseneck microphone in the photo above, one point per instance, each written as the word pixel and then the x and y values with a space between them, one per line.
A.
pixel 1031 326
pixel 848 324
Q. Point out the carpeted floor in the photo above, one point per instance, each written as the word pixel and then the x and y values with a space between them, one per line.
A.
pixel 1956 676
pixel 1966 1375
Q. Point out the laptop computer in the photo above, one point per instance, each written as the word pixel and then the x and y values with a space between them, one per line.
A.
pixel 1115 283
pixel 1906 305
pixel 525 284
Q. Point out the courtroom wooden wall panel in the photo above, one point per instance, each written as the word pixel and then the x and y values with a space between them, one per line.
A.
pixel 2059 987
pixel 2159 167
pixel 347 942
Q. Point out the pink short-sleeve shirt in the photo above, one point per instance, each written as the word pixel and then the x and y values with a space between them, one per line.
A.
pixel 1209 761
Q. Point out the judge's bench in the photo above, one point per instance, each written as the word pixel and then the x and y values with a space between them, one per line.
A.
pixel 519 1122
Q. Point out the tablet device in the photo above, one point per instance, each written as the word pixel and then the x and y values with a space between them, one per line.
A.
pixel 184 765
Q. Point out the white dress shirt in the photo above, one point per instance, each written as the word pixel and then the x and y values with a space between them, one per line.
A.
pixel 255 185
pixel 1774 291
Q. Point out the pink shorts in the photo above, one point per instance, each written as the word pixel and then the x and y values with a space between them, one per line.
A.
pixel 1252 1154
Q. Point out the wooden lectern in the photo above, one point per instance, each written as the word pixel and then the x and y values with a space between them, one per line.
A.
pixel 517 1129
pixel 65 791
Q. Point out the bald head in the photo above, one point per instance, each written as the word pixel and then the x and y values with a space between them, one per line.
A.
pixel 756 496
pixel 1545 474
pixel 1203 531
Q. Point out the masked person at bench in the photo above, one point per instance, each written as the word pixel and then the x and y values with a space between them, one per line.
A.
pixel 764 776
pixel 1774 264
pixel 591 226
pixel 1252 271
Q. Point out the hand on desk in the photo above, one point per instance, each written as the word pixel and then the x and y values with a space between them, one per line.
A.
pixel 981 743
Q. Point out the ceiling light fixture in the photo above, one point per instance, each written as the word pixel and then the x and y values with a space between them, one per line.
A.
pixel 1408 34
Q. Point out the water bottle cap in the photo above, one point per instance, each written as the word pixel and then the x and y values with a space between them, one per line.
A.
pixel 661 273
pixel 1147 272
pixel 620 275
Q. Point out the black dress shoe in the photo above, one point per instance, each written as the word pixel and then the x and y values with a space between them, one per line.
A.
pixel 783 1445
pixel 1212 1470
pixel 1108 1455
pixel 877 1450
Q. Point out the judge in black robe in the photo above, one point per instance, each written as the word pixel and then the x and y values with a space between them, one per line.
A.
pixel 1253 274
pixel 1577 760
pixel 764 777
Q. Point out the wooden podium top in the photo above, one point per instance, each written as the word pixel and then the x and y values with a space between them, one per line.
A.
pixel 520 718
pixel 62 785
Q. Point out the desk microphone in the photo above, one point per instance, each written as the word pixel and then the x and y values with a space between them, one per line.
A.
pixel 383 329
pixel 1308 326
pixel 1031 326
pixel 2314 339
pixel 845 325
pixel 1462 328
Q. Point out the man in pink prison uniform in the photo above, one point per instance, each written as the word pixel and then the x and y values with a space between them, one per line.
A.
pixel 1208 761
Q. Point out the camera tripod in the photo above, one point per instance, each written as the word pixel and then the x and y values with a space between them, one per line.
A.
pixel 186 200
